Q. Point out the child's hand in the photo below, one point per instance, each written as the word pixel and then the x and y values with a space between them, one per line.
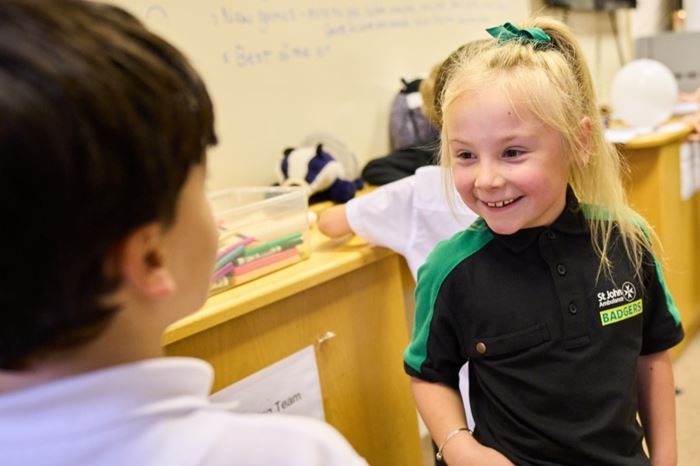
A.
pixel 333 222
pixel 479 456
pixel 490 457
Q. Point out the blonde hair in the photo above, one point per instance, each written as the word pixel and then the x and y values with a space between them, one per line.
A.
pixel 555 83
pixel 426 89
pixel 439 74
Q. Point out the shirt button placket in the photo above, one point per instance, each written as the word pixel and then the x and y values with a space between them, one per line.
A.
pixel 571 306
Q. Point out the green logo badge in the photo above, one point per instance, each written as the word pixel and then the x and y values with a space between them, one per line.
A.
pixel 620 313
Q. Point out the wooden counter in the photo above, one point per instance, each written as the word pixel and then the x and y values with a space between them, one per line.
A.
pixel 348 288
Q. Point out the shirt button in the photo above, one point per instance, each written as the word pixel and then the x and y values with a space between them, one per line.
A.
pixel 551 234
pixel 573 309
pixel 480 347
pixel 561 269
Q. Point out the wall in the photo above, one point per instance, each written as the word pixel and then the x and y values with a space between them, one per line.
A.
pixel 599 41
pixel 652 17
pixel 281 69
pixel 594 31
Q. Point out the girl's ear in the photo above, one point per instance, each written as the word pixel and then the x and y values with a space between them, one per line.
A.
pixel 586 132
pixel 142 263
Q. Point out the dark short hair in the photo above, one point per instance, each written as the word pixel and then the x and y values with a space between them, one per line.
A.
pixel 101 122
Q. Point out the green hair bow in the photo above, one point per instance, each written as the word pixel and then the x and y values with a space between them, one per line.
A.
pixel 509 32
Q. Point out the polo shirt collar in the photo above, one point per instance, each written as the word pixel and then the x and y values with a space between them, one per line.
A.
pixel 570 221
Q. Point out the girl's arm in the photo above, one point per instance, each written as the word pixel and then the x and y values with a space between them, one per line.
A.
pixel 657 407
pixel 441 408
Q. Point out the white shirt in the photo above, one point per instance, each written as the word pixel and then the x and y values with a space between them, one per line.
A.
pixel 154 412
pixel 409 216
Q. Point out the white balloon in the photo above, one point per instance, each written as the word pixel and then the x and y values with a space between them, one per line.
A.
pixel 644 92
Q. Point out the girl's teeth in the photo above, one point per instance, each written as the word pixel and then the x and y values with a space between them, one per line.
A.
pixel 500 203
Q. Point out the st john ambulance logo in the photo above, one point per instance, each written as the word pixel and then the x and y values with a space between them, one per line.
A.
pixel 626 295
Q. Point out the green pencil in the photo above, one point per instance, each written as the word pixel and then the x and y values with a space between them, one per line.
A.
pixel 284 242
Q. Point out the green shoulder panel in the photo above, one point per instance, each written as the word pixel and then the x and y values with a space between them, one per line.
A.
pixel 440 263
pixel 672 309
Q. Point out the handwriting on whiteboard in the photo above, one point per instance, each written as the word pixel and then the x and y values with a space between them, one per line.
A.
pixel 254 34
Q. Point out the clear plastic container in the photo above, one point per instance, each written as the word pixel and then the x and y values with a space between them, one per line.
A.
pixel 260 230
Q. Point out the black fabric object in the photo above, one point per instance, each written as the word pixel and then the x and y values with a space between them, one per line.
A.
pixel 398 164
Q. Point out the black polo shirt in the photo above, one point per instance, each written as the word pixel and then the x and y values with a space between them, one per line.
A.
pixel 552 345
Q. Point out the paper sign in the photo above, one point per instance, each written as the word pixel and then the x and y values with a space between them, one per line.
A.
pixel 690 169
pixel 289 386
pixel 686 167
pixel 696 166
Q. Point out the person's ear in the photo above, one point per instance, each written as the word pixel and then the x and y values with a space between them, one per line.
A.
pixel 143 263
pixel 586 135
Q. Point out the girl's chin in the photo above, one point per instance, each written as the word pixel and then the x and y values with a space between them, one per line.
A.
pixel 501 227
pixel 503 230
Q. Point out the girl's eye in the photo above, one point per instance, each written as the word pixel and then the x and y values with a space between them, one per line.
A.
pixel 465 155
pixel 513 152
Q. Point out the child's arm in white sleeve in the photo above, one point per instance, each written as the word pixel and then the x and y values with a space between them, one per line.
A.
pixel 383 217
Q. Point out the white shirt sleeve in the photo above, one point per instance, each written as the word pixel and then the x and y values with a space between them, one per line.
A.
pixel 385 215
pixel 281 439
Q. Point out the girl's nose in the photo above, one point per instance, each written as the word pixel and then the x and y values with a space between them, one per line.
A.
pixel 488 176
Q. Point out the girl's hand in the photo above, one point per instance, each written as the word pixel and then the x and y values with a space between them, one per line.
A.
pixel 480 456
pixel 490 457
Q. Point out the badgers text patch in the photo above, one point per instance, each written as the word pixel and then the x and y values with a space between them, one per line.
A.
pixel 620 313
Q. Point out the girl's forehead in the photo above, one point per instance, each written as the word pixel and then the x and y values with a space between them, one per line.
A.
pixel 526 92
pixel 490 95
pixel 492 108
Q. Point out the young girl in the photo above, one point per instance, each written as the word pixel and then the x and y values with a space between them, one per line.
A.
pixel 553 294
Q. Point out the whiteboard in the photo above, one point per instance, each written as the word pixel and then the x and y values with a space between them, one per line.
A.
pixel 278 70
